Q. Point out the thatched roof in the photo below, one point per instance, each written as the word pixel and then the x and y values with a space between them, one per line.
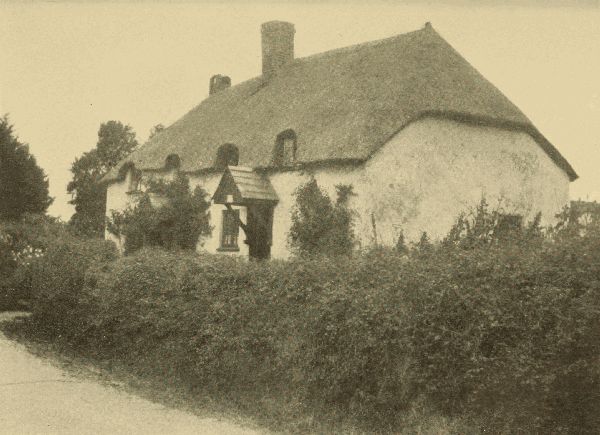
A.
pixel 343 105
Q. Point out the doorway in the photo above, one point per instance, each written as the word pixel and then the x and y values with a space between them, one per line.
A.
pixel 260 230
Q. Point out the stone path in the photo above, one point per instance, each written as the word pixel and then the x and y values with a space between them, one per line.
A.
pixel 39 398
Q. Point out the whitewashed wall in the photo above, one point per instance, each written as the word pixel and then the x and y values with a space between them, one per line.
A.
pixel 435 169
pixel 117 198
pixel 419 181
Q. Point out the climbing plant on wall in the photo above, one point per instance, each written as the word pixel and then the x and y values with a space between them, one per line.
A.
pixel 319 225
pixel 178 219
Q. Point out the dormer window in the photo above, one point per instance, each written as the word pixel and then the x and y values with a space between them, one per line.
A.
pixel 135 180
pixel 172 162
pixel 227 155
pixel 230 230
pixel 285 148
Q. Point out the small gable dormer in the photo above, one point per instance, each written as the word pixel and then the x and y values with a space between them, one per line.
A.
pixel 286 146
pixel 134 180
pixel 172 162
pixel 227 155
pixel 131 176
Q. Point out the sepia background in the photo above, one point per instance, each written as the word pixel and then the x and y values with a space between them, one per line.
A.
pixel 68 67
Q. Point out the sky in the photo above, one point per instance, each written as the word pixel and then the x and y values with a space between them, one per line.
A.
pixel 68 67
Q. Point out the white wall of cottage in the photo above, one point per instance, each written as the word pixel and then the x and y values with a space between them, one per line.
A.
pixel 433 170
pixel 419 181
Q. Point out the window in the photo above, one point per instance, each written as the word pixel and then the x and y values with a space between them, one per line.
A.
pixel 285 148
pixel 289 150
pixel 508 224
pixel 172 162
pixel 229 235
pixel 135 180
pixel 227 155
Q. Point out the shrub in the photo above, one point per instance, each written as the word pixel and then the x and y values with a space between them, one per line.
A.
pixel 320 226
pixel 56 280
pixel 178 222
pixel 483 226
pixel 501 334
pixel 21 242
pixel 498 319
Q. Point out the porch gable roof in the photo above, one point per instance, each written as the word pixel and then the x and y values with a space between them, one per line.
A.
pixel 245 185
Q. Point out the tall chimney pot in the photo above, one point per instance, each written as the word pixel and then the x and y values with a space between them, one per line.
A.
pixel 277 39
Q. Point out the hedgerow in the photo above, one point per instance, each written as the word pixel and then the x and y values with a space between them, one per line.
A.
pixel 500 331
pixel 56 283
pixel 21 242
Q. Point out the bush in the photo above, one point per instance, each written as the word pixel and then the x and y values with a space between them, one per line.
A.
pixel 320 226
pixel 500 321
pixel 56 281
pixel 502 334
pixel 494 332
pixel 178 222
pixel 21 242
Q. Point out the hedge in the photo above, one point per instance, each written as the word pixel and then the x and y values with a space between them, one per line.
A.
pixel 22 242
pixel 504 335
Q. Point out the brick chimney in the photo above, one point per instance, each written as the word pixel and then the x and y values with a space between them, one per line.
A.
pixel 277 46
pixel 218 83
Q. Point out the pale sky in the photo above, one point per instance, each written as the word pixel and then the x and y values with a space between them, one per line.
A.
pixel 68 67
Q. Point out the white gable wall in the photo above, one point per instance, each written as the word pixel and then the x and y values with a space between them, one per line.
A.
pixel 419 181
pixel 429 173
pixel 433 170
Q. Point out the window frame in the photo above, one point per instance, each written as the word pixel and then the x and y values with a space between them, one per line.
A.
pixel 172 162
pixel 226 223
pixel 279 155
pixel 135 181
pixel 228 154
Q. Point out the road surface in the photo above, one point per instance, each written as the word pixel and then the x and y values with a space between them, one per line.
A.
pixel 39 398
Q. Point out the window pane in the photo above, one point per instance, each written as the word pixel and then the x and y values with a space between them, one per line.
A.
pixel 134 182
pixel 230 229
pixel 288 150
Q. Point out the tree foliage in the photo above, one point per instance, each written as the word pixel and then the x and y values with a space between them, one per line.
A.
pixel 177 221
pixel 23 184
pixel 22 242
pixel 115 141
pixel 320 226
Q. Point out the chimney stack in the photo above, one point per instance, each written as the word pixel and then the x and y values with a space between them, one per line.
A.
pixel 277 46
pixel 218 83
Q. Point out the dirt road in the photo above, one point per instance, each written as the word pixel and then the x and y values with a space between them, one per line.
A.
pixel 39 398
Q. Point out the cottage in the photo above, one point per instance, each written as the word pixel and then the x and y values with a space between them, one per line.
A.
pixel 411 125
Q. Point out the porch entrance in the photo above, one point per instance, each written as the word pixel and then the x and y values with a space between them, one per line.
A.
pixel 241 186
pixel 259 230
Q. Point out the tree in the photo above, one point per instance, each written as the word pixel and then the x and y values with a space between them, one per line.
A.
pixel 177 222
pixel 115 141
pixel 320 226
pixel 23 184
